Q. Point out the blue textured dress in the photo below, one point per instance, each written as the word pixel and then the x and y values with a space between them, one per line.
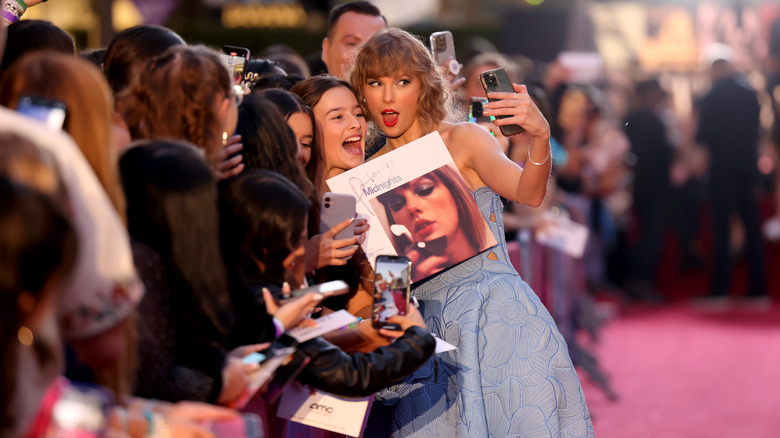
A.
pixel 510 375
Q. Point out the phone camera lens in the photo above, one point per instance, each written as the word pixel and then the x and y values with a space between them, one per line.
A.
pixel 491 81
pixel 327 199
pixel 327 205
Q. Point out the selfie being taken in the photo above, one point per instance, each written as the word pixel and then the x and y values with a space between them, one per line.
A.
pixel 382 219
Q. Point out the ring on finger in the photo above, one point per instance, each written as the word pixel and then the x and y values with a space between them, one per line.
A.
pixel 514 104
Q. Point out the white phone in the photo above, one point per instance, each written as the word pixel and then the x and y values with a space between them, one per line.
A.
pixel 334 209
pixel 443 49
pixel 327 289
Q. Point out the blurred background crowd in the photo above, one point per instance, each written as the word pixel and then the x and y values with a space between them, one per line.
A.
pixel 665 187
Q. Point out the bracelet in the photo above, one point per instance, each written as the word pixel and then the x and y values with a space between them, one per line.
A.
pixel 16 7
pixel 549 154
pixel 9 18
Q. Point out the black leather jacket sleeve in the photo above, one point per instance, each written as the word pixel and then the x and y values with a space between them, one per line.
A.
pixel 362 374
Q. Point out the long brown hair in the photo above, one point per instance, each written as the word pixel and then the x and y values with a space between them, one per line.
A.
pixel 311 91
pixel 89 102
pixel 175 96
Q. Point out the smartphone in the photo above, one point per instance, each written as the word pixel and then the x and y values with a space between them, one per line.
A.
pixel 334 209
pixel 476 108
pixel 82 410
pixel 246 426
pixel 328 289
pixel 498 80
pixel 236 59
pixel 392 289
pixel 50 112
pixel 443 49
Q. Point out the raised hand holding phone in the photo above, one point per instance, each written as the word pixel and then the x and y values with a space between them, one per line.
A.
pixel 498 86
pixel 443 50
pixel 517 107
pixel 236 59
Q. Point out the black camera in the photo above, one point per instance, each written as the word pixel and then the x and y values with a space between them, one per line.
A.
pixel 441 44
pixel 491 81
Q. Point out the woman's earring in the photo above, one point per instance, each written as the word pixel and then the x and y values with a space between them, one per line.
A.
pixel 25 336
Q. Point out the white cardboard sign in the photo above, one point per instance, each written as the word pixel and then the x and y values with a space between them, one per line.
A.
pixel 319 409
pixel 393 192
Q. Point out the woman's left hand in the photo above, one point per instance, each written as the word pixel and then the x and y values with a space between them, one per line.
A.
pixel 294 311
pixel 521 109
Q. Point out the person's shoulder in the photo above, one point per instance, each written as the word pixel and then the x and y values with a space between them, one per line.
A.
pixel 462 132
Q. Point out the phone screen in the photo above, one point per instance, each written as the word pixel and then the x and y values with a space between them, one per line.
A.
pixel 236 59
pixel 392 283
pixel 476 111
pixel 50 112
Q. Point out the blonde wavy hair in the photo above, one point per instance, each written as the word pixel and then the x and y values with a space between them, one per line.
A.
pixel 394 51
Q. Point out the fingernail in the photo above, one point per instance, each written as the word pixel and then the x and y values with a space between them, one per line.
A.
pixel 318 296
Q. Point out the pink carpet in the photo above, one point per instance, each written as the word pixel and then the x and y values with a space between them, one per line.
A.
pixel 683 373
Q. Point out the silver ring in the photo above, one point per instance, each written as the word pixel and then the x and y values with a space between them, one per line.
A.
pixel 514 104
pixel 515 95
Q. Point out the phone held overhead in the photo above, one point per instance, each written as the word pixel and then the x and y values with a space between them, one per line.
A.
pixel 236 59
pixel 443 49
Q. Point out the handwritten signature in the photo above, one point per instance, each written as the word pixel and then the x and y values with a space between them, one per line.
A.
pixel 358 184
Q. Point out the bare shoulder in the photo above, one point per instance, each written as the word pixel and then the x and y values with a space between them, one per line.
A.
pixel 465 134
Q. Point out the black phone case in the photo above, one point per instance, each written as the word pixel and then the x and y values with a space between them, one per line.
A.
pixel 498 80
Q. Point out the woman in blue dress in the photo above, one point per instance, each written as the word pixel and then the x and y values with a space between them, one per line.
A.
pixel 511 374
